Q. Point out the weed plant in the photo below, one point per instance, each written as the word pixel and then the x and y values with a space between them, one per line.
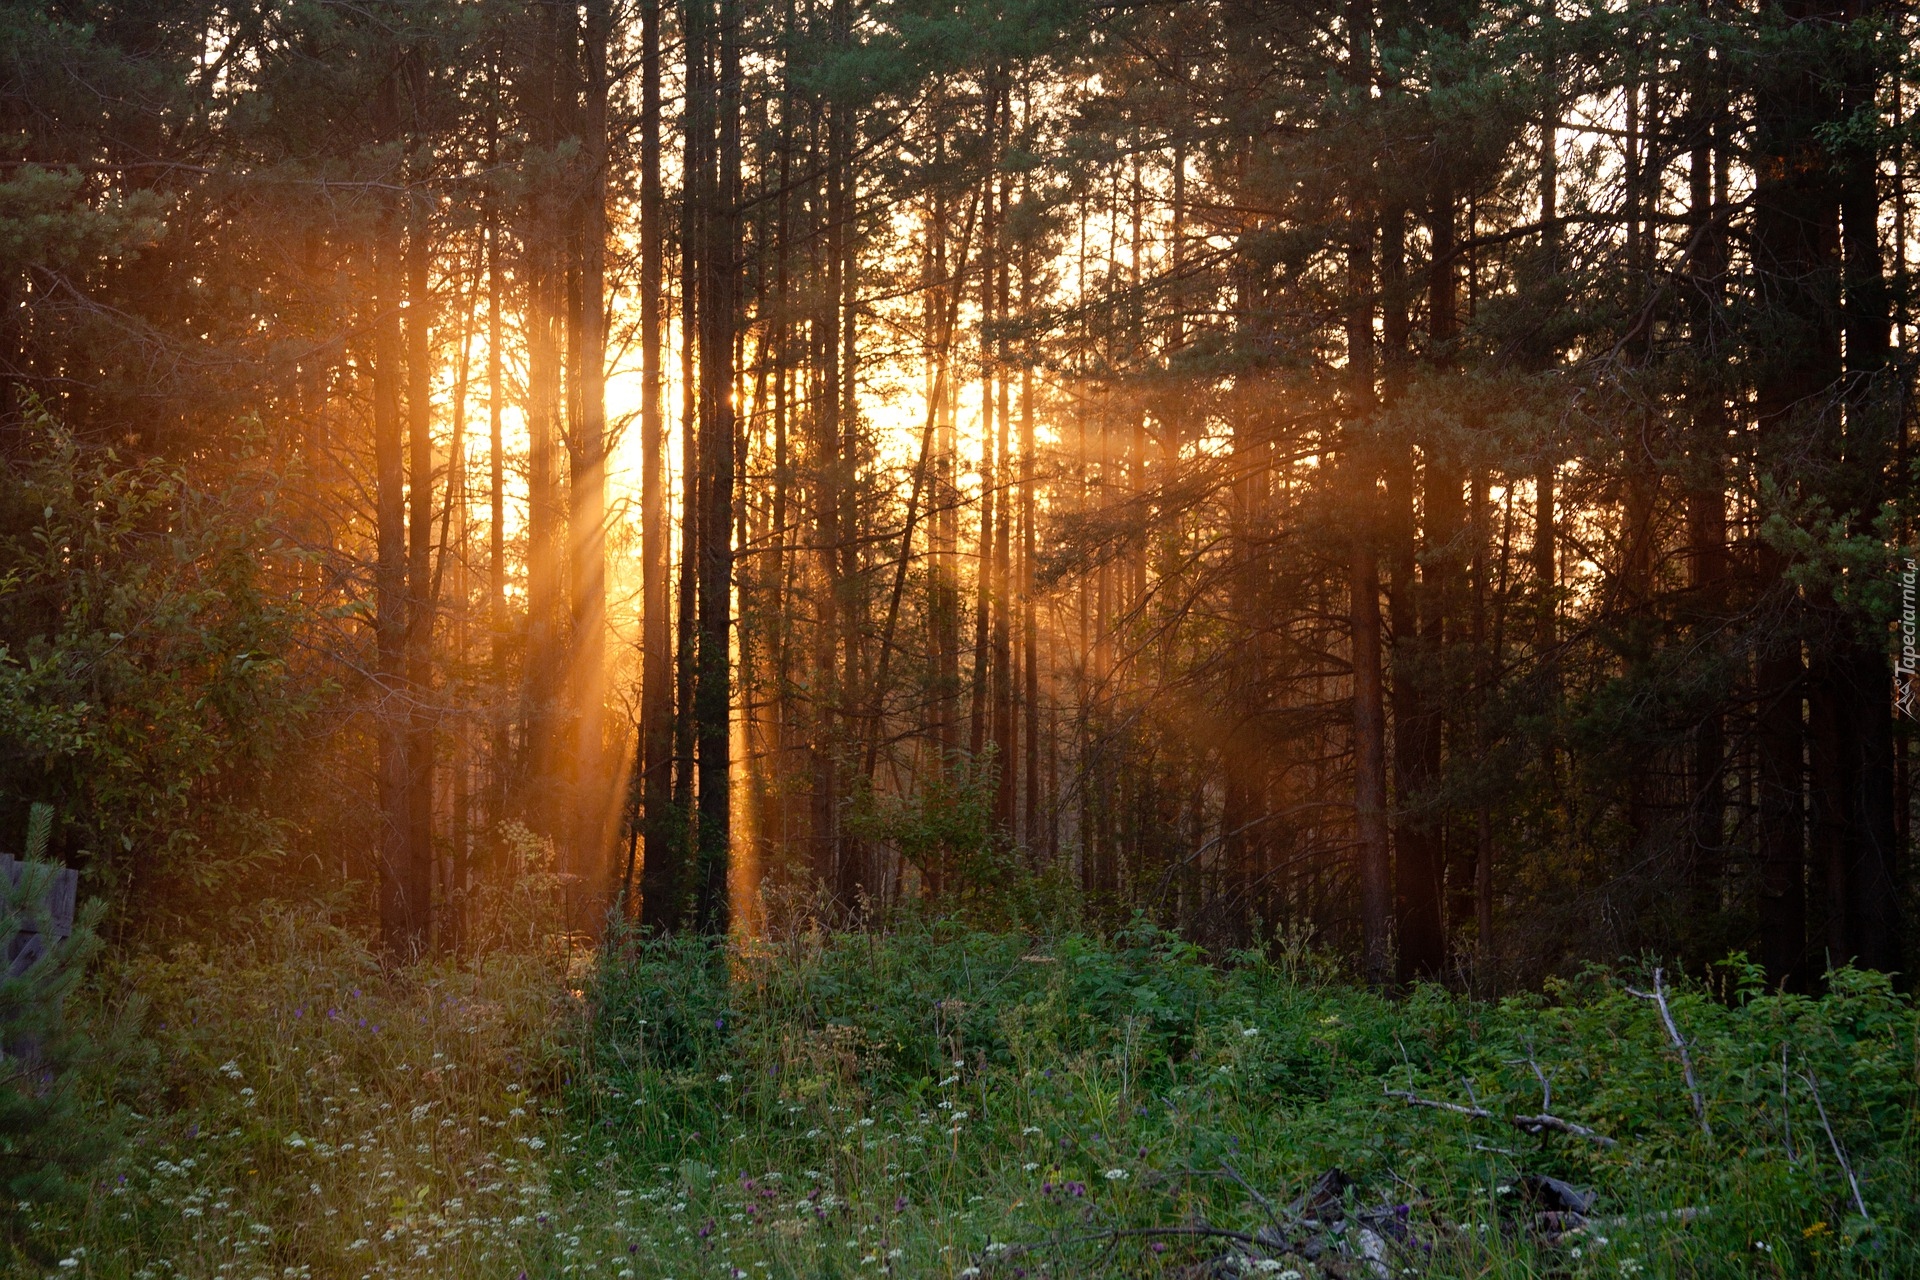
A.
pixel 951 1103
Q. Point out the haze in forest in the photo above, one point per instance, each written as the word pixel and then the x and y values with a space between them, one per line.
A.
pixel 1427 477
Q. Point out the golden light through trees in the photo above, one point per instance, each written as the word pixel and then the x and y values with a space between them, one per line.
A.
pixel 1424 476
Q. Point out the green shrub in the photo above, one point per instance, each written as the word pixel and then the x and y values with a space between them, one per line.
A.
pixel 49 1138
pixel 144 683
pixel 937 1088
pixel 926 1102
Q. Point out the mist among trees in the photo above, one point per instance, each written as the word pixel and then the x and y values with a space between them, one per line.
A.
pixel 1429 476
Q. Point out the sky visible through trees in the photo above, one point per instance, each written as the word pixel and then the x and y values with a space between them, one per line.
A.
pixel 1427 477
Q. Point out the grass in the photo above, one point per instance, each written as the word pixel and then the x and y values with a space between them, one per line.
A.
pixel 940 1102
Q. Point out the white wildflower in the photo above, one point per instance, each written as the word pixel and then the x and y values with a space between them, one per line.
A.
pixel 1116 1175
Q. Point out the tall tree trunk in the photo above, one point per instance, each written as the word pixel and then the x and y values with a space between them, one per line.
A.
pixel 780 562
pixel 1795 236
pixel 983 572
pixel 856 880
pixel 1860 674
pixel 1004 751
pixel 660 864
pixel 1029 623
pixel 1369 708
pixel 1419 870
pixel 544 276
pixel 713 696
pixel 826 688
pixel 499 749
pixel 400 917
pixel 1546 579
pixel 455 536
pixel 420 602
pixel 591 829
pixel 1706 507
pixel 696 131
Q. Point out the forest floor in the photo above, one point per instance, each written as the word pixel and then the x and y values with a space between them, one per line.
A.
pixel 949 1103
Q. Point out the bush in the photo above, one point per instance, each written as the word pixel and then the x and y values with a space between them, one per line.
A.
pixel 48 1138
pixel 943 1092
pixel 144 687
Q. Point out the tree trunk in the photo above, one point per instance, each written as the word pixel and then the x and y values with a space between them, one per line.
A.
pixel 713 696
pixel 1706 509
pixel 401 925
pixel 1369 709
pixel 591 825
pixel 1420 871
pixel 696 157
pixel 499 747
pixel 543 265
pixel 420 602
pixel 1795 236
pixel 660 863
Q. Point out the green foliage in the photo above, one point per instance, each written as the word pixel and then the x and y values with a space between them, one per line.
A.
pixel 47 222
pixel 944 828
pixel 819 1103
pixel 943 1092
pixel 49 1136
pixel 144 679
pixel 302 1108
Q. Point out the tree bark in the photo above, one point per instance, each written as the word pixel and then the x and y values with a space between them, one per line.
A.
pixel 420 603
pixel 401 928
pixel 591 824
pixel 660 862
pixel 1795 236
pixel 1363 601
pixel 713 696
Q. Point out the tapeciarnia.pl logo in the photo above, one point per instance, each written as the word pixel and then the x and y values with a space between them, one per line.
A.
pixel 1906 670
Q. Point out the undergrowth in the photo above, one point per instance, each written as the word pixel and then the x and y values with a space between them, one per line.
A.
pixel 941 1102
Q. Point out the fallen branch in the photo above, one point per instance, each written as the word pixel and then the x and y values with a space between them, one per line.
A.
pixel 1659 997
pixel 1415 1100
pixel 1839 1153
pixel 1535 1124
pixel 1526 1124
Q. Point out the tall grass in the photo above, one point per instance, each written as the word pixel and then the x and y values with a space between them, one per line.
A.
pixel 940 1102
pixel 297 1110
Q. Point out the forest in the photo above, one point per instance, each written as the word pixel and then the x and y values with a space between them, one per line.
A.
pixel 1263 589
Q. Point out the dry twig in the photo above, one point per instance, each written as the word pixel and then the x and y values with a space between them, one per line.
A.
pixel 1839 1153
pixel 1659 997
pixel 1526 1124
